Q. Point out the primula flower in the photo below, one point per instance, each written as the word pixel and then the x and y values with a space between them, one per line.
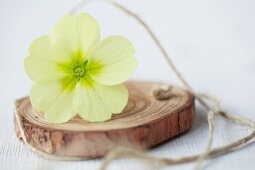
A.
pixel 73 72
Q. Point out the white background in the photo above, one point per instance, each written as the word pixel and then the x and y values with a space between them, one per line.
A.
pixel 211 41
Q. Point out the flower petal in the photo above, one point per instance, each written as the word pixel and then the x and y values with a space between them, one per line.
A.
pixel 65 29
pixel 49 97
pixel 98 102
pixel 88 31
pixel 62 109
pixel 41 58
pixel 115 56
pixel 81 31
pixel 114 97
pixel 63 51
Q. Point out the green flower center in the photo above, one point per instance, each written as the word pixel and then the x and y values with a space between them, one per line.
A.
pixel 80 70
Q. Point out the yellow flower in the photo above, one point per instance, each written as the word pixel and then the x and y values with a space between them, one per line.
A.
pixel 73 72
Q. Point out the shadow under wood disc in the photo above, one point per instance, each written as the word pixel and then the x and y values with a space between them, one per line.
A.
pixel 145 122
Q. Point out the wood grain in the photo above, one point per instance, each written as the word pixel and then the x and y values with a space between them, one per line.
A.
pixel 145 122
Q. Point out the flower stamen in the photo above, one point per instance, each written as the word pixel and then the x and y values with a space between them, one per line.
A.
pixel 80 70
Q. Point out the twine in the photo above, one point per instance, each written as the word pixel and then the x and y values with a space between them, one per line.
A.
pixel 163 94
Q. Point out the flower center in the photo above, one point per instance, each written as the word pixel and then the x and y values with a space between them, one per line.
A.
pixel 80 70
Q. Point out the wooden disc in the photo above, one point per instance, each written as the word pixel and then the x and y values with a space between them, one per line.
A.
pixel 145 122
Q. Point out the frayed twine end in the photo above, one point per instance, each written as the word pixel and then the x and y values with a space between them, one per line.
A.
pixel 162 92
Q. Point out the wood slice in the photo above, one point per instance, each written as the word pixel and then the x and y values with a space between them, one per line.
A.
pixel 145 122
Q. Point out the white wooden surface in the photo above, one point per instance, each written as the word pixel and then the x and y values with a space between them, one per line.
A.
pixel 212 43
